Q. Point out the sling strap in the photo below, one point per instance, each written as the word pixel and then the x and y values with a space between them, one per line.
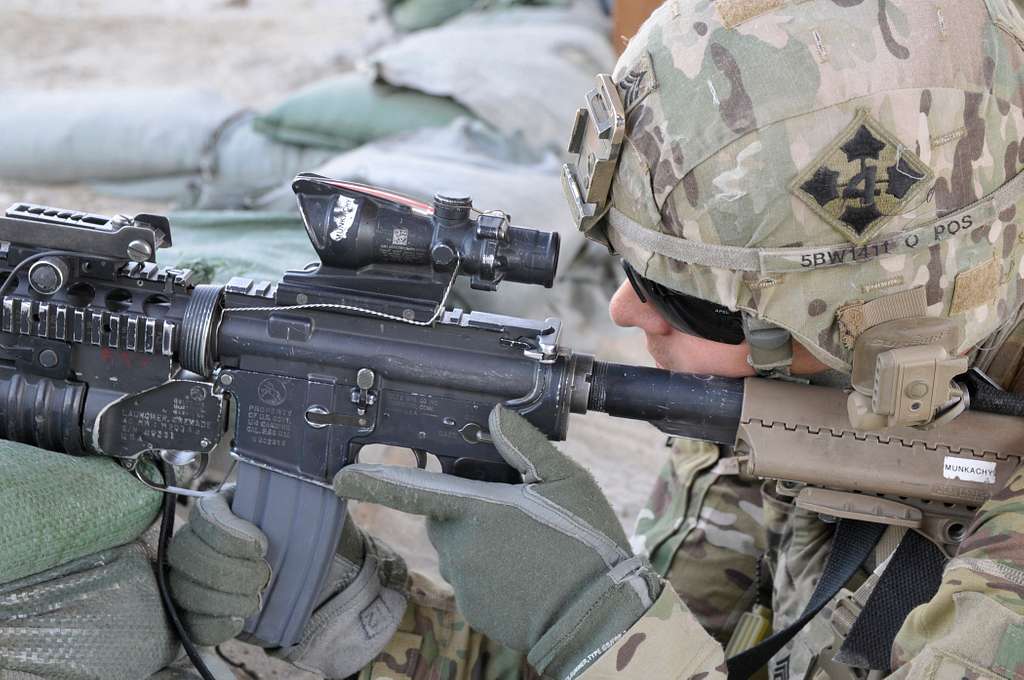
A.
pixel 852 543
pixel 912 577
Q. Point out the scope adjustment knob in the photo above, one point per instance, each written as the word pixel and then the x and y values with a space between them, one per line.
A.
pixel 452 205
pixel 442 255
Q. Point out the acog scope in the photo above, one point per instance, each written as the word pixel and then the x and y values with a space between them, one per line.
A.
pixel 353 226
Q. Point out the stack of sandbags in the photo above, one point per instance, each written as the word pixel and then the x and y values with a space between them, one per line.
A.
pixel 165 144
pixel 522 70
pixel 482 104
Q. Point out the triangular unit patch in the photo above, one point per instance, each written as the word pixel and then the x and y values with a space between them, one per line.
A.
pixel 863 179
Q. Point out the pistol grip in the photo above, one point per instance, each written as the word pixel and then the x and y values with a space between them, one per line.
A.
pixel 303 523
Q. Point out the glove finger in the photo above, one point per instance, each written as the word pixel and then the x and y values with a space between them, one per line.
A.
pixel 228 533
pixel 525 448
pixel 410 490
pixel 211 630
pixel 198 599
pixel 203 564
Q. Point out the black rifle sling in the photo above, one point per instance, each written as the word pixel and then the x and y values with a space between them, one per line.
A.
pixel 852 543
pixel 912 577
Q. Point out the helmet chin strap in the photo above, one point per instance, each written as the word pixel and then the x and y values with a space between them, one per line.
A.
pixel 771 349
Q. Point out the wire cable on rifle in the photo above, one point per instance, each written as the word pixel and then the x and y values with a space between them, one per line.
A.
pixel 438 311
pixel 166 529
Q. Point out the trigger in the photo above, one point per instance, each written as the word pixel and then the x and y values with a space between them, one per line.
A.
pixel 421 458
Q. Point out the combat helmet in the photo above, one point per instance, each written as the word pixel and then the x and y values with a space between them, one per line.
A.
pixel 819 167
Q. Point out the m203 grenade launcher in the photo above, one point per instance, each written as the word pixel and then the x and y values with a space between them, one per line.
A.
pixel 102 351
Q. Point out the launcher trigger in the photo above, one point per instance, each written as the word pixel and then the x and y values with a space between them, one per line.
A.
pixel 194 463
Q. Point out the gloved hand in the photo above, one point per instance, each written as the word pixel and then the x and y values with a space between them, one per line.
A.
pixel 543 566
pixel 218 569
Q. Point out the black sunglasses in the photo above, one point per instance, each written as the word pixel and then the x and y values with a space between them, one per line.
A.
pixel 686 313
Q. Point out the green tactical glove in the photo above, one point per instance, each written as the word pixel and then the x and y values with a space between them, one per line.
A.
pixel 218 569
pixel 542 567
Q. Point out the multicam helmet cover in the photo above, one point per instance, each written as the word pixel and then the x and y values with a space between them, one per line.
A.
pixel 822 166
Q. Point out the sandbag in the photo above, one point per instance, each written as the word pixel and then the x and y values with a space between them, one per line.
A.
pixel 239 165
pixel 413 15
pixel 524 70
pixel 70 136
pixel 344 112
pixel 55 508
pixel 176 189
pixel 246 164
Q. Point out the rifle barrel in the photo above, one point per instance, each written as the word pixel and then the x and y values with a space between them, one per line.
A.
pixel 682 404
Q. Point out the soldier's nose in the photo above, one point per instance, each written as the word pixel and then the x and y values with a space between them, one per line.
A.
pixel 628 311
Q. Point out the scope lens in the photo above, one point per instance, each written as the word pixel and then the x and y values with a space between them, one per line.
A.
pixel 530 256
pixel 686 313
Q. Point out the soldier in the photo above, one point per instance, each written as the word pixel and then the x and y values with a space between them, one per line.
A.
pixel 789 175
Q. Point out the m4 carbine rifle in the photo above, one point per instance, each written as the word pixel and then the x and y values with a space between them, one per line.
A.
pixel 103 351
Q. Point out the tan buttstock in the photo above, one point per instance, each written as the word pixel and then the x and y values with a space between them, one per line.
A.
pixel 932 480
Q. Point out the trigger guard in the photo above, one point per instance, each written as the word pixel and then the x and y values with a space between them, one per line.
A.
pixel 484 471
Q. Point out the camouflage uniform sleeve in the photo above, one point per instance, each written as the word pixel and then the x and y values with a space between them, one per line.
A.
pixel 434 642
pixel 706 532
pixel 667 643
pixel 974 625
